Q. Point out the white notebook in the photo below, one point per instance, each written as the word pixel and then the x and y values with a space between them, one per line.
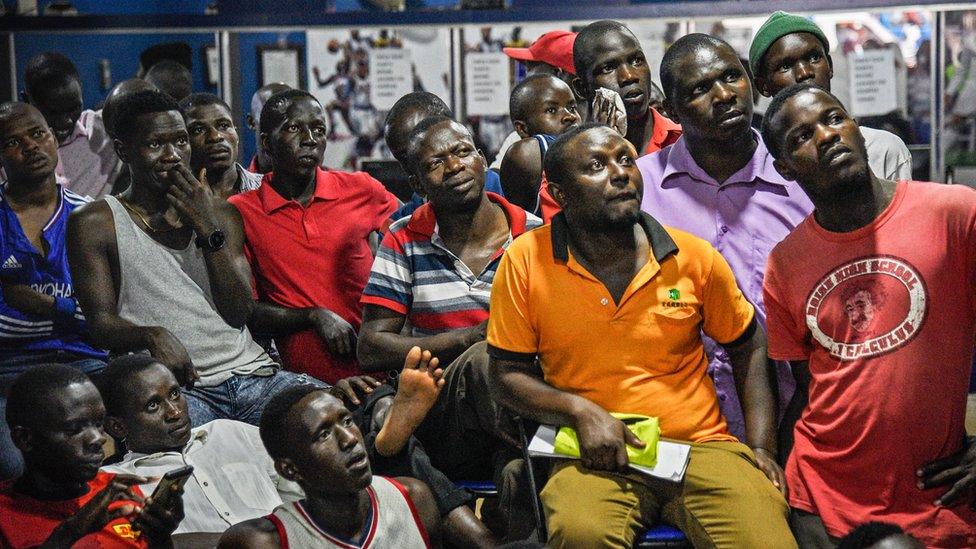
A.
pixel 672 457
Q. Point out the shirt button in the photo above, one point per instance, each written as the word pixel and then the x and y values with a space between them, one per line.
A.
pixel 725 229
pixel 226 514
pixel 722 397
pixel 604 301
pixel 205 484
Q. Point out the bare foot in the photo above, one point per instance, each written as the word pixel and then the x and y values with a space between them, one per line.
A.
pixel 417 389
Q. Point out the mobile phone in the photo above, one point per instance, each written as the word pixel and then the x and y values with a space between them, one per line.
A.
pixel 162 496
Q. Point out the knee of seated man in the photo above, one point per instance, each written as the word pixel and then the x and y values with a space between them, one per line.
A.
pixel 597 511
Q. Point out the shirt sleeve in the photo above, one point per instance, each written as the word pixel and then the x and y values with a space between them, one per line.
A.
pixel 786 338
pixel 382 204
pixel 902 169
pixel 511 334
pixel 726 311
pixel 390 282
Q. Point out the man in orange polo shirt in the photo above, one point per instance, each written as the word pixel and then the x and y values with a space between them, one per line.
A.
pixel 638 296
pixel 608 55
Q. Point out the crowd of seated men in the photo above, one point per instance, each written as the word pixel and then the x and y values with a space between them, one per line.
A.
pixel 333 364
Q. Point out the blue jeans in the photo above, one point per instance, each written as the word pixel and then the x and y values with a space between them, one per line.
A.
pixel 242 397
pixel 11 462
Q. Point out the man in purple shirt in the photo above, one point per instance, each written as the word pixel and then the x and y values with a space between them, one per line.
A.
pixel 718 183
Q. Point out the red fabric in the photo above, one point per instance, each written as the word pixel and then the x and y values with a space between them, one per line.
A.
pixel 553 48
pixel 548 207
pixel 315 256
pixel 665 133
pixel 886 317
pixel 27 522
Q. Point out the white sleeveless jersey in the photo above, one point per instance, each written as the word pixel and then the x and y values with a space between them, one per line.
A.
pixel 393 522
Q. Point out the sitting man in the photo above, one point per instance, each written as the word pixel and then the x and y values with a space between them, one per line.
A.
pixel 613 304
pixel 62 500
pixel 307 234
pixel 214 144
pixel 40 322
pixel 790 49
pixel 233 478
pixel 315 443
pixel 608 55
pixel 434 272
pixel 718 183
pixel 542 107
pixel 165 270
pixel 872 301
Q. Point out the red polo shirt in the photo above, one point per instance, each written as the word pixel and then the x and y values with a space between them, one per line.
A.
pixel 665 133
pixel 315 256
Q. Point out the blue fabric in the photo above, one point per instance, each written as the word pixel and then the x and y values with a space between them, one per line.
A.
pixel 493 184
pixel 21 263
pixel 242 397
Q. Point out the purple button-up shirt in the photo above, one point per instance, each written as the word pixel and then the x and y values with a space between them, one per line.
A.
pixel 87 159
pixel 743 217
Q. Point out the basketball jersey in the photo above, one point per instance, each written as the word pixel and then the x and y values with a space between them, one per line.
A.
pixel 393 522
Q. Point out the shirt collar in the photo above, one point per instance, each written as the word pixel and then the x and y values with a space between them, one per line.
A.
pixel 760 166
pixel 661 242
pixel 665 132
pixel 423 222
pixel 197 436
pixel 271 201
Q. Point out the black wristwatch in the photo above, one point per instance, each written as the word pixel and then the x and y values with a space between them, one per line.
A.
pixel 213 242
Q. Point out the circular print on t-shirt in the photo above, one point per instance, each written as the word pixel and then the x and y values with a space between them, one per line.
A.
pixel 867 307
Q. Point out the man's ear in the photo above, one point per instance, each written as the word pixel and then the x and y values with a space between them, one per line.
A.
pixel 762 86
pixel 22 437
pixel 784 170
pixel 556 191
pixel 286 468
pixel 266 143
pixel 414 182
pixel 521 129
pixel 830 62
pixel 116 428
pixel 249 120
pixel 579 87
pixel 120 150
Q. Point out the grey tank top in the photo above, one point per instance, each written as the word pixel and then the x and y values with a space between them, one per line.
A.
pixel 164 287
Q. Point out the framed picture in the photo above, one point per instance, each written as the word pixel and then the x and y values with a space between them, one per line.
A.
pixel 211 64
pixel 282 63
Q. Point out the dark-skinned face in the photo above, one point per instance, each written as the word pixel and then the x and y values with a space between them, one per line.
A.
pixel 794 58
pixel 398 131
pixel 712 94
pixel 155 148
pixel 327 452
pixel 554 108
pixel 821 145
pixel 450 169
pixel 603 186
pixel 61 106
pixel 213 138
pixel 28 150
pixel 618 64
pixel 65 441
pixel 155 414
pixel 297 145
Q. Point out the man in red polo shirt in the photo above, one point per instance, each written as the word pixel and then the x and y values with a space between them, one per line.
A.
pixel 608 55
pixel 307 240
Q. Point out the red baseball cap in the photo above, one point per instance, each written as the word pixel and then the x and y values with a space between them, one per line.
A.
pixel 554 48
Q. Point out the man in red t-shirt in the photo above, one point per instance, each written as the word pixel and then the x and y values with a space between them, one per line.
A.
pixel 62 500
pixel 307 235
pixel 872 299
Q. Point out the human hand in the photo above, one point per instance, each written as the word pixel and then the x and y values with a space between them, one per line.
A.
pixel 339 336
pixel 193 199
pixel 156 522
pixel 767 464
pixel 474 334
pixel 94 515
pixel 26 299
pixel 603 440
pixel 957 471
pixel 351 388
pixel 607 109
pixel 164 347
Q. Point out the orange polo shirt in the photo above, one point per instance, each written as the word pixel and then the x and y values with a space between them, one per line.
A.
pixel 643 355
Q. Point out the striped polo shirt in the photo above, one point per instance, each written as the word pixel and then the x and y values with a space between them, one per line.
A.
pixel 414 273
pixel 22 263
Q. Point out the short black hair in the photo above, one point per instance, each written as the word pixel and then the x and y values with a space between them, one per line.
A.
pixel 410 160
pixel 274 428
pixel 558 156
pixel 201 99
pixel 423 101
pixel 49 69
pixel 522 98
pixel 29 391
pixel 589 38
pixel 276 108
pixel 14 109
pixel 868 534
pixel 171 78
pixel 688 43
pixel 137 104
pixel 114 380
pixel 769 138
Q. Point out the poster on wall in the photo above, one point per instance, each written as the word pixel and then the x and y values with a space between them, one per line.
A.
pixel 358 74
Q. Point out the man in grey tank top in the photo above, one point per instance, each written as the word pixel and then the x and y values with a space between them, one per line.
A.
pixel 160 268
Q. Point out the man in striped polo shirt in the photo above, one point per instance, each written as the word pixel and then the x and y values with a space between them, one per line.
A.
pixel 433 273
pixel 40 321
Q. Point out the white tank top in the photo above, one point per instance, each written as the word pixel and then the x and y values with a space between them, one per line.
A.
pixel 393 522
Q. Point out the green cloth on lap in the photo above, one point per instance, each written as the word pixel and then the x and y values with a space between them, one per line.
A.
pixel 646 428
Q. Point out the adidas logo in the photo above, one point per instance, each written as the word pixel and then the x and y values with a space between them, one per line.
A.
pixel 11 263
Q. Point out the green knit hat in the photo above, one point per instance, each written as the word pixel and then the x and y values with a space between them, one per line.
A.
pixel 777 26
